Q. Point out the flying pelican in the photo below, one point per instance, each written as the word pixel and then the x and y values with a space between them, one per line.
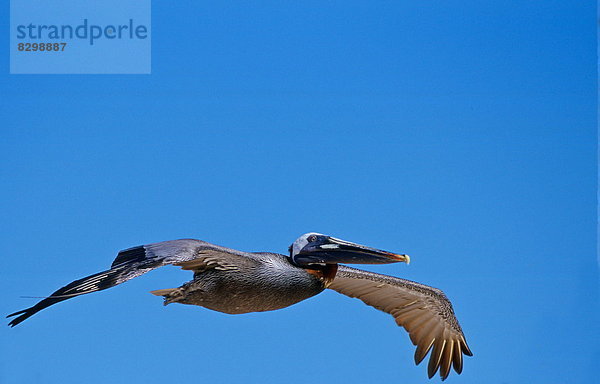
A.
pixel 231 281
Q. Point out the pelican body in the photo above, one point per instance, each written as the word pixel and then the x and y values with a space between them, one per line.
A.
pixel 271 283
pixel 234 282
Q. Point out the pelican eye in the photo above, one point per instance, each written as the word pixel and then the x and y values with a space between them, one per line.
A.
pixel 312 238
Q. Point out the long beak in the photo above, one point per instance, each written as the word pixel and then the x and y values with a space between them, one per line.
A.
pixel 336 251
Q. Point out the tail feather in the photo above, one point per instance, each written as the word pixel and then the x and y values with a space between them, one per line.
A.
pixel 170 295
pixel 163 292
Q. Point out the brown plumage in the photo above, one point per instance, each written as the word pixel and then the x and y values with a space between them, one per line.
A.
pixel 423 311
pixel 231 281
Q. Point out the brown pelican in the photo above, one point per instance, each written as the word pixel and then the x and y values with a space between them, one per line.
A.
pixel 231 281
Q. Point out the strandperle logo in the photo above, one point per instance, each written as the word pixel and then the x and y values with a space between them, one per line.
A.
pixel 80 37
pixel 83 31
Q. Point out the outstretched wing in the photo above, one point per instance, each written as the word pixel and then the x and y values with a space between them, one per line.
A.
pixel 423 311
pixel 187 253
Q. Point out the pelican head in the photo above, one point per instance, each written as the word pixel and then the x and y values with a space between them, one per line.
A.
pixel 316 248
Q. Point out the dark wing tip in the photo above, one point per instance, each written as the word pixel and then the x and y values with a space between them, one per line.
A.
pixel 14 322
pixel 421 352
pixel 431 373
pixel 17 313
pixel 466 349
pixel 92 283
pixel 444 366
pixel 25 314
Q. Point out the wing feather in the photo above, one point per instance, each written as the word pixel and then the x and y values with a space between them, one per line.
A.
pixel 423 311
pixel 190 254
pixel 436 356
pixel 422 350
pixel 457 358
pixel 446 361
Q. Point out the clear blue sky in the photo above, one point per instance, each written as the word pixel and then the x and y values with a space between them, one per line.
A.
pixel 462 133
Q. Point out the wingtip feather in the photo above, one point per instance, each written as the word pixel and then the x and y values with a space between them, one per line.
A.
pixel 422 351
pixel 457 361
pixel 17 313
pixel 435 358
pixel 446 361
pixel 466 349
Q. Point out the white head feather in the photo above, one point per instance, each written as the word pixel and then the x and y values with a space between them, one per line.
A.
pixel 301 242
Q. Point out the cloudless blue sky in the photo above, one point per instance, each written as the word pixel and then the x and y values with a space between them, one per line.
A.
pixel 460 132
